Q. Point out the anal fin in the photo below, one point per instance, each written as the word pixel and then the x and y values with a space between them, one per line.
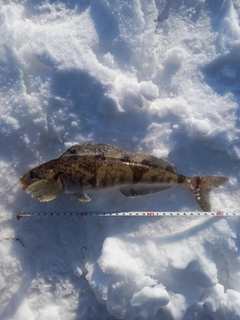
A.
pixel 136 191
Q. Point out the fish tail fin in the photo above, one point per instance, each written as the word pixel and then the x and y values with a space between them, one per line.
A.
pixel 201 187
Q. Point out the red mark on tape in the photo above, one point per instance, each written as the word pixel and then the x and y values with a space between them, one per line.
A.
pixel 150 213
pixel 219 214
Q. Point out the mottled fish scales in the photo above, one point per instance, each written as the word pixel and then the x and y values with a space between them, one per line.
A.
pixel 90 167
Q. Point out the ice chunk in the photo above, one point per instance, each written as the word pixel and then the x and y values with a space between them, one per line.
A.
pixel 150 299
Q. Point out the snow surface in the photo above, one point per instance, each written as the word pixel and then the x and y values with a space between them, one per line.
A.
pixel 160 77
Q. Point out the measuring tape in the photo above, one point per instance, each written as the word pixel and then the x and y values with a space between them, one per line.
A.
pixel 126 214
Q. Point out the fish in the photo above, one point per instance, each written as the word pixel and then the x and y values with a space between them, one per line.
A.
pixel 90 167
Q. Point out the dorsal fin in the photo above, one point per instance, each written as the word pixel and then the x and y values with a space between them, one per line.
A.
pixel 153 161
pixel 94 149
pixel 108 151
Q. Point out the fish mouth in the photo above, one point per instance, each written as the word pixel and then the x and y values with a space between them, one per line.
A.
pixel 24 183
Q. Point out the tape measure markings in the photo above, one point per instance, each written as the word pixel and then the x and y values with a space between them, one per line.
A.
pixel 126 214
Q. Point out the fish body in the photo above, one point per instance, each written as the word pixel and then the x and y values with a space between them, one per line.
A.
pixel 91 167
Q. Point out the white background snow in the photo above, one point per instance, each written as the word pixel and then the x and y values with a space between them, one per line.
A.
pixel 159 77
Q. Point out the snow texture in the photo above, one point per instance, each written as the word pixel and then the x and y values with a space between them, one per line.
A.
pixel 151 76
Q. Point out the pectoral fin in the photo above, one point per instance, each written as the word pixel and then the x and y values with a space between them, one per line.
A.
pixel 83 197
pixel 44 190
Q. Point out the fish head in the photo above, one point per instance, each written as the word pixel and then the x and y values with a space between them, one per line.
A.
pixel 41 172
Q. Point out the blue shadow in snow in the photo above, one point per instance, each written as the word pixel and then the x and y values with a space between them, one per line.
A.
pixel 223 73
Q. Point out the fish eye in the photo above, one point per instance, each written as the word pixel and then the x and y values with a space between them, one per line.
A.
pixel 32 175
